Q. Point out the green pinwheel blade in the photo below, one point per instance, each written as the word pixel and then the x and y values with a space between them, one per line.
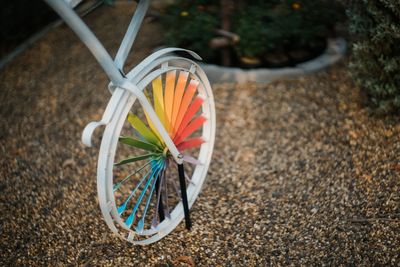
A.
pixel 141 127
pixel 139 144
pixel 136 158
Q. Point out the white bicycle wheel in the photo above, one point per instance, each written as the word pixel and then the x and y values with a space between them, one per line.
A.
pixel 137 177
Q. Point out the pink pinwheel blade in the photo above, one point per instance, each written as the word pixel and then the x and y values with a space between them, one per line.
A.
pixel 192 143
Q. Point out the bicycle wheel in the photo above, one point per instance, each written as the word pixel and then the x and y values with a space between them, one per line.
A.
pixel 137 176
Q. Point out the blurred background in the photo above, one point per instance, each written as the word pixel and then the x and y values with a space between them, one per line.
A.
pixel 305 170
pixel 256 33
pixel 20 19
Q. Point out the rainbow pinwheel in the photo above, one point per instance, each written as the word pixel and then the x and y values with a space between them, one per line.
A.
pixel 178 106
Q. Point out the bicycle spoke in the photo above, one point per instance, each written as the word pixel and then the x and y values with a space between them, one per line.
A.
pixel 134 159
pixel 122 208
pixel 131 217
pixel 165 190
pixel 159 207
pixel 140 224
pixel 119 184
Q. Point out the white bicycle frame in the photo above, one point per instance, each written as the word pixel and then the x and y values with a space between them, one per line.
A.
pixel 114 68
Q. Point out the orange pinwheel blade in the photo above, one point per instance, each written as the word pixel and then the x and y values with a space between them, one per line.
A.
pixel 179 90
pixel 187 98
pixel 169 99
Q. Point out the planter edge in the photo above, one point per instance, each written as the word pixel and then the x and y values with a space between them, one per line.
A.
pixel 335 51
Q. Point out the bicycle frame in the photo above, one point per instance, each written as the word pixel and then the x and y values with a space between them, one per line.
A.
pixel 114 68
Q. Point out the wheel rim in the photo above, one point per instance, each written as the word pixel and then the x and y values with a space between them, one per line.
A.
pixel 122 217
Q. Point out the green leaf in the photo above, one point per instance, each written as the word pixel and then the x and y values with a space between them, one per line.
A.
pixel 141 127
pixel 108 2
pixel 136 158
pixel 139 144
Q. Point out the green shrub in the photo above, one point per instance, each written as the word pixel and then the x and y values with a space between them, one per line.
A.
pixel 375 62
pixel 275 25
pixel 190 26
pixel 263 26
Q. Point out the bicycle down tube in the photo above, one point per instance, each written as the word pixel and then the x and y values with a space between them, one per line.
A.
pixel 115 73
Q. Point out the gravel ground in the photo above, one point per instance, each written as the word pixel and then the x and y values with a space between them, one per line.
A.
pixel 301 174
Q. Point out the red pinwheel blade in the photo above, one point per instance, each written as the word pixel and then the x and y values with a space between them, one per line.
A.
pixel 191 128
pixel 190 113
